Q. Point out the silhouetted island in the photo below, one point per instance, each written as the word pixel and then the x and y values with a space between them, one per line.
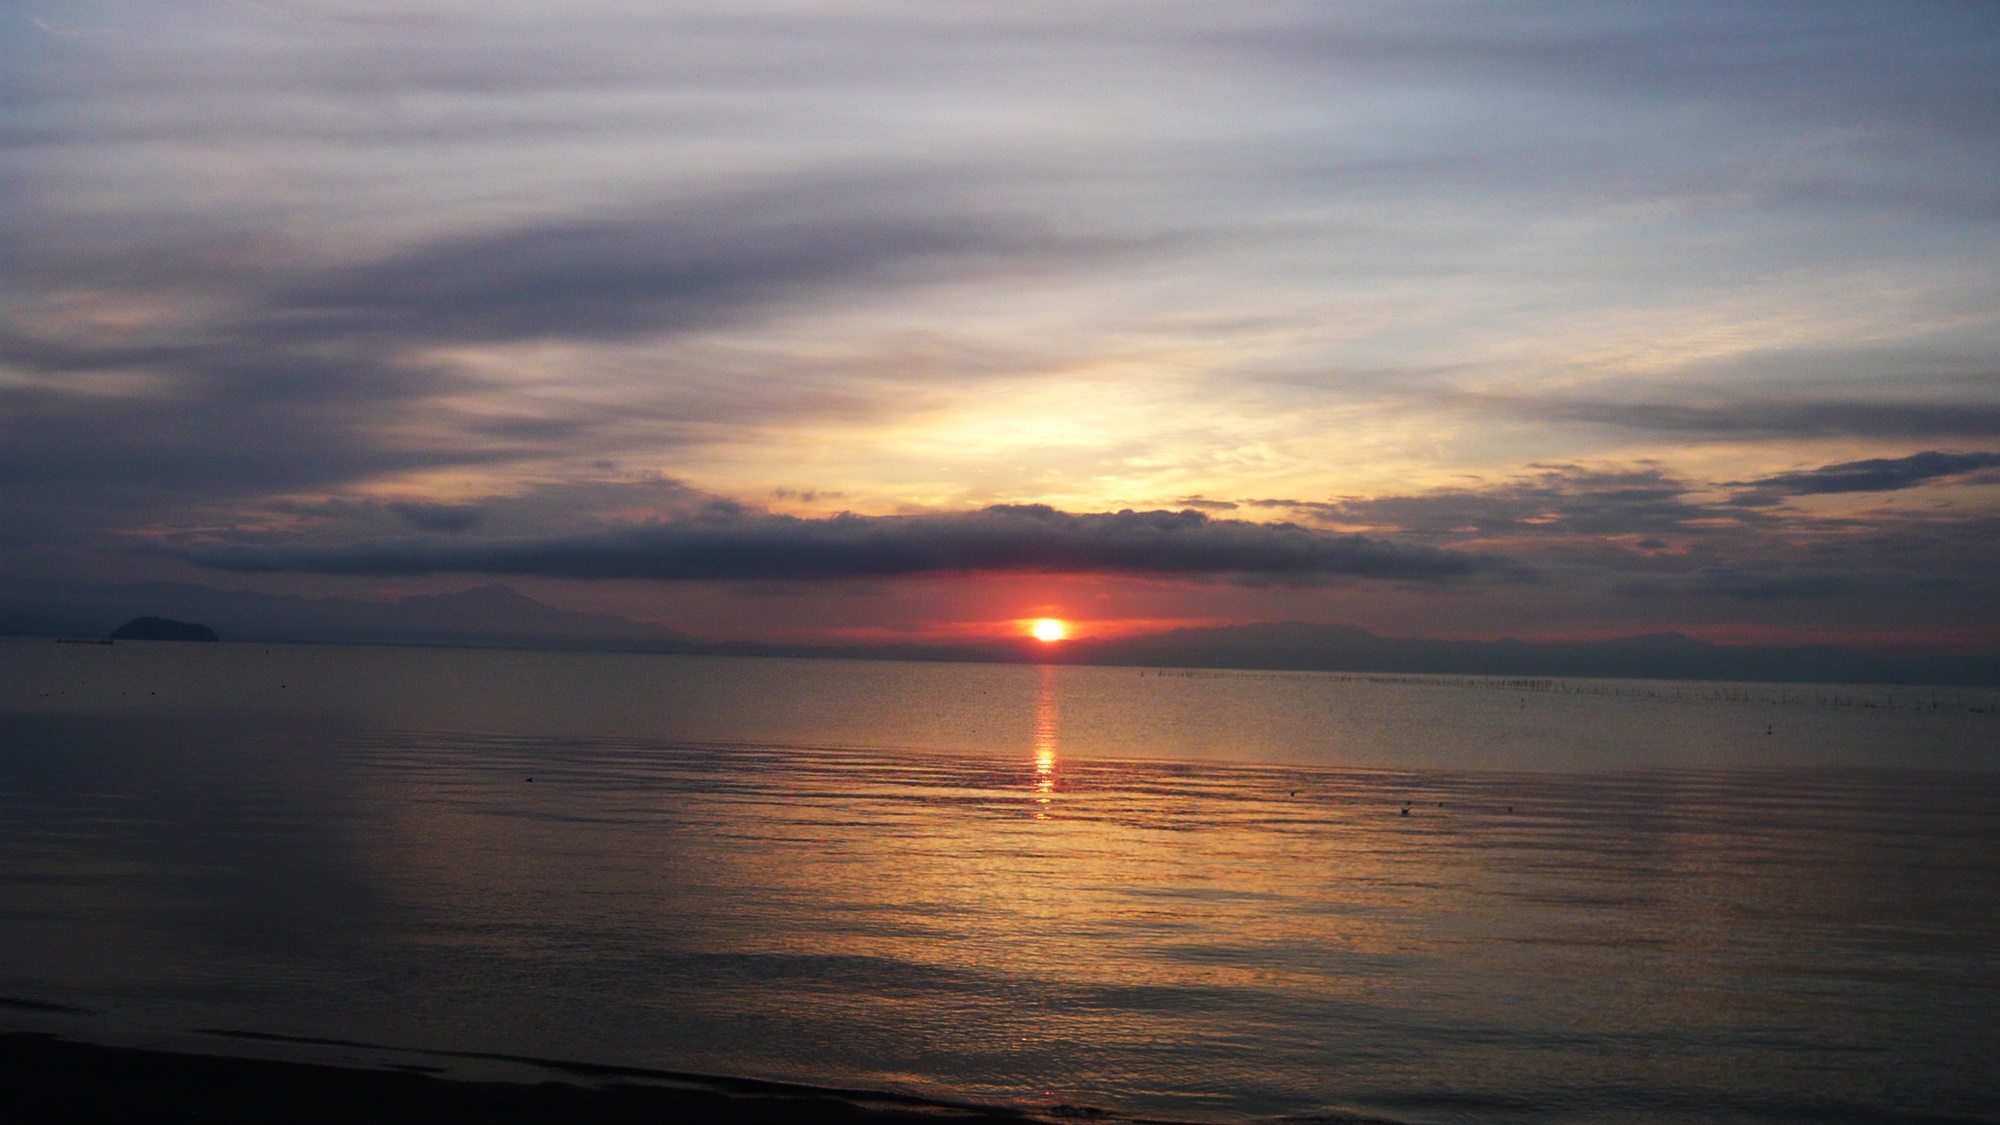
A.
pixel 161 629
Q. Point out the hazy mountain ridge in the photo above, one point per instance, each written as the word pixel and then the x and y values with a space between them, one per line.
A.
pixel 1348 648
pixel 496 616
pixel 1302 646
pixel 485 616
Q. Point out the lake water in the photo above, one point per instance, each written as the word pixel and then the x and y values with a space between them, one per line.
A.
pixel 1190 895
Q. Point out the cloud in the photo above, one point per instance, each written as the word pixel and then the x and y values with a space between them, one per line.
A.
pixel 271 254
pixel 306 374
pixel 1922 65
pixel 437 517
pixel 729 542
pixel 1780 587
pixel 1644 535
pixel 1560 501
pixel 1877 474
pixel 1813 418
pixel 680 266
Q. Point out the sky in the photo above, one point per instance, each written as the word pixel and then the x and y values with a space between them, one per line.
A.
pixel 921 320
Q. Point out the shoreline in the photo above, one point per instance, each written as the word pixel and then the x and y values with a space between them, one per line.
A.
pixel 48 1078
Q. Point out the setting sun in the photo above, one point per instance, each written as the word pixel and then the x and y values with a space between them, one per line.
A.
pixel 1048 629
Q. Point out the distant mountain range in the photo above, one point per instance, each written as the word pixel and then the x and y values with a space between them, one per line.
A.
pixel 1654 656
pixel 485 617
pixel 495 616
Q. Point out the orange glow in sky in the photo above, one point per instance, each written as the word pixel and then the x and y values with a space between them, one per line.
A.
pixel 1048 629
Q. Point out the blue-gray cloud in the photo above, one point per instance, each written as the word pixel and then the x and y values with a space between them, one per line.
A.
pixel 278 251
pixel 1847 61
pixel 1876 474
pixel 1780 587
pixel 1797 418
pixel 671 268
pixel 727 542
pixel 1566 502
pixel 1648 534
pixel 437 517
pixel 307 379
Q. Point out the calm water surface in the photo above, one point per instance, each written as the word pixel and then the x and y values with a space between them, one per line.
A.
pixel 1195 896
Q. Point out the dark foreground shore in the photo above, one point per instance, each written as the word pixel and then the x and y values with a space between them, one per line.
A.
pixel 46 1079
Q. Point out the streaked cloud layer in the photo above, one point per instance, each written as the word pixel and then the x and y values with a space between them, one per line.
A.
pixel 302 284
pixel 724 542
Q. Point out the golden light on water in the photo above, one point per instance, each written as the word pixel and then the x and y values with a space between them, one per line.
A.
pixel 1045 741
pixel 1048 629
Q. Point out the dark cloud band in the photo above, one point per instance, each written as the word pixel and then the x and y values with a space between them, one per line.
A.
pixel 727 542
pixel 1775 418
pixel 1877 474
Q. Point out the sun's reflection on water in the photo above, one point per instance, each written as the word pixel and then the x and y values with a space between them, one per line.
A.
pixel 1045 742
pixel 861 905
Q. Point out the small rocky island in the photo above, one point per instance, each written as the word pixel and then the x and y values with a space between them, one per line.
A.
pixel 161 629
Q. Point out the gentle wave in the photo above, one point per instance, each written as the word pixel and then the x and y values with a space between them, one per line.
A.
pixel 1037 924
